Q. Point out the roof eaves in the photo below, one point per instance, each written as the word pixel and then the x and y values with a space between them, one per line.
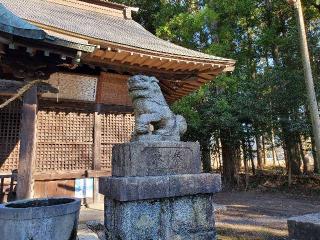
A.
pixel 106 3
pixel 104 44
pixel 107 44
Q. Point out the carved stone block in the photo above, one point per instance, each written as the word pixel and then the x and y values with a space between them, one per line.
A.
pixel 183 218
pixel 157 191
pixel 155 159
pixel 152 187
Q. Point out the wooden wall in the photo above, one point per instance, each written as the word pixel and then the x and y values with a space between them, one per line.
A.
pixel 73 87
pixel 113 90
pixel 9 137
pixel 64 140
pixel 74 139
pixel 65 147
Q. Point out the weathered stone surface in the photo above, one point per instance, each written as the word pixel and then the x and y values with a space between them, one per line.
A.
pixel 18 220
pixel 151 108
pixel 179 218
pixel 157 191
pixel 306 227
pixel 155 159
pixel 153 187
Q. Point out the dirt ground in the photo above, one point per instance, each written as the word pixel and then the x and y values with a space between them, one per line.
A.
pixel 260 215
pixel 248 215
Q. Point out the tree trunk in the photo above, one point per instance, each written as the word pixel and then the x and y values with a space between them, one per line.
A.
pixel 311 93
pixel 259 153
pixel 292 150
pixel 250 154
pixel 274 154
pixel 238 157
pixel 264 155
pixel 291 144
pixel 314 154
pixel 245 162
pixel 228 158
pixel 303 157
pixel 219 155
pixel 206 158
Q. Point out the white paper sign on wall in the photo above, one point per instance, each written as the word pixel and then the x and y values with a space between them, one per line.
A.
pixel 84 188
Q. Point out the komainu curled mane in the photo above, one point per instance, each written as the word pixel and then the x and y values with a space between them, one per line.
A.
pixel 154 121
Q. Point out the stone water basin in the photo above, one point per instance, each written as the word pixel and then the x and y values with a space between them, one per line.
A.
pixel 40 219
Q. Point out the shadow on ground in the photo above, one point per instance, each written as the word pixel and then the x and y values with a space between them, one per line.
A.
pixel 249 215
pixel 260 216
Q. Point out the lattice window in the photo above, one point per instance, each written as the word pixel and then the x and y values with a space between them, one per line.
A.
pixel 116 128
pixel 65 141
pixel 9 136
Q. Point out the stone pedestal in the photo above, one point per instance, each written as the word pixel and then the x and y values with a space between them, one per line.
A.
pixel 157 191
pixel 306 227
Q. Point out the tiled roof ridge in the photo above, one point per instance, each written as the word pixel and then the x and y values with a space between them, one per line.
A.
pixel 105 3
pixel 99 28
pixel 108 8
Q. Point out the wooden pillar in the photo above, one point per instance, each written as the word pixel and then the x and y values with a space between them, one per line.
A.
pixel 27 157
pixel 97 151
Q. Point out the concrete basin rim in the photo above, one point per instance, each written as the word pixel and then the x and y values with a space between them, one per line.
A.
pixel 7 213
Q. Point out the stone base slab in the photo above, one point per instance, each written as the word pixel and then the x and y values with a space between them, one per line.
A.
pixel 306 227
pixel 181 218
pixel 155 187
pixel 155 159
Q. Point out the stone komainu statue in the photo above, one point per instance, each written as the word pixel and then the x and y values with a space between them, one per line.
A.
pixel 154 121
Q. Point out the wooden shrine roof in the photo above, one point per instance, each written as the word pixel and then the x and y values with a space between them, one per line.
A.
pixel 123 42
pixel 13 26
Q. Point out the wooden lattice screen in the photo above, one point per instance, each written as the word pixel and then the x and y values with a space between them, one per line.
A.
pixel 9 136
pixel 64 140
pixel 116 128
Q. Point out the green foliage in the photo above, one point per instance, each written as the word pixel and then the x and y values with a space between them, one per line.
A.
pixel 266 91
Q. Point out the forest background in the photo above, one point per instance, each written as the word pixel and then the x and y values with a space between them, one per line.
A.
pixel 262 105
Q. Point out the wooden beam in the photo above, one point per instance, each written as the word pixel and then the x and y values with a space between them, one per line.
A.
pixel 141 60
pixel 184 66
pixel 166 88
pixel 188 87
pixel 131 58
pixel 64 175
pixel 27 156
pixel 203 81
pixel 82 106
pixel 97 53
pixel 130 69
pixel 119 56
pixel 183 92
pixel 150 62
pixel 97 139
pixel 195 83
pixel 170 91
pixel 166 65
pixel 109 54
pixel 206 76
pixel 193 66
pixel 214 71
pixel 97 151
pixel 229 69
pixel 11 87
pixel 161 62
